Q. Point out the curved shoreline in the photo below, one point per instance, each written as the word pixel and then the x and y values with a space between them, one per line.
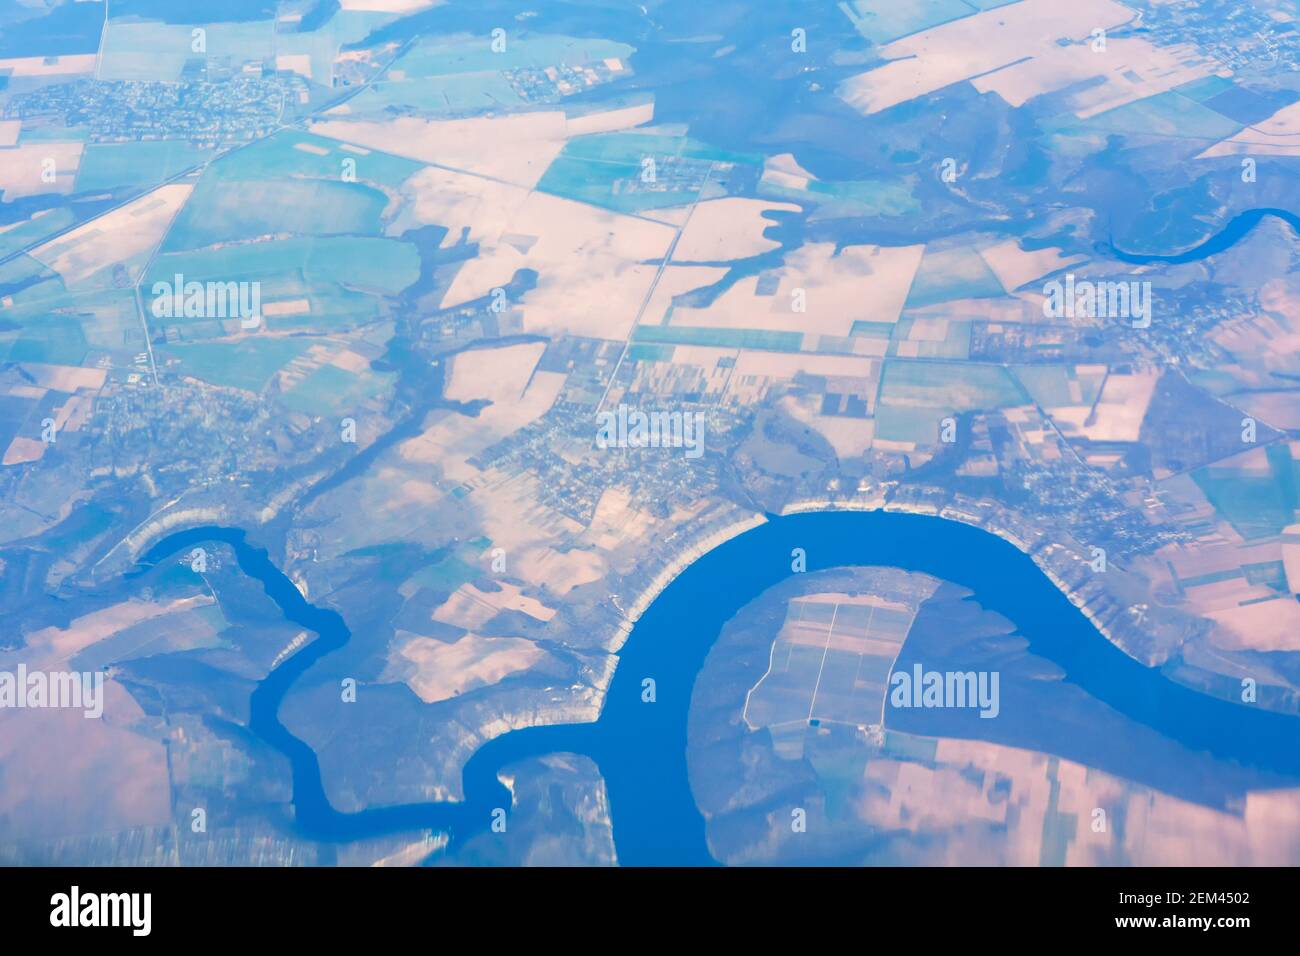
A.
pixel 640 749
pixel 1233 231
pixel 810 505
pixel 315 817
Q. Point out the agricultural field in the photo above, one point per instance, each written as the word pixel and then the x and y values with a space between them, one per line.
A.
pixel 377 294
pixel 635 172
pixel 465 76
pixel 114 165
pixel 249 364
pixel 144 51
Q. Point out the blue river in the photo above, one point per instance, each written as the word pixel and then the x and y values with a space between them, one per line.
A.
pixel 640 747
pixel 1233 231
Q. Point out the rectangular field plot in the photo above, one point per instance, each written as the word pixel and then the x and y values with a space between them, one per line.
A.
pixel 882 23
pixel 830 662
pixel 226 212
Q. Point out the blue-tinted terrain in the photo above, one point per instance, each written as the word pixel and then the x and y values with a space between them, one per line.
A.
pixel 454 434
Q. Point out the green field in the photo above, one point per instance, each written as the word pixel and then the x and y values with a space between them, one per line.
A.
pixel 950 386
pixel 31 231
pixel 187 630
pixel 446 574
pixel 322 44
pixel 650 353
pixel 860 197
pixel 1049 385
pixel 366 263
pixel 722 338
pixel 955 343
pixel 108 165
pixel 56 340
pixel 464 76
pixel 1215 382
pixel 456 94
pixel 865 197
pixel 332 390
pixel 910 747
pixel 83 525
pixel 52 134
pixel 1206 88
pixel 110 320
pixel 875 330
pixel 149 50
pixel 950 275
pixel 1165 114
pixel 340 276
pixel 291 154
pixel 1256 506
pixel 605 169
pixel 474 54
pixel 101 318
pixel 883 22
pixel 1173 115
pixel 227 212
pixel 248 364
pixel 918 424
pixel 35 300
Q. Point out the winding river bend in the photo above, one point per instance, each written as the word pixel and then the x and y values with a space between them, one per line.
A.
pixel 640 748
pixel 1233 232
